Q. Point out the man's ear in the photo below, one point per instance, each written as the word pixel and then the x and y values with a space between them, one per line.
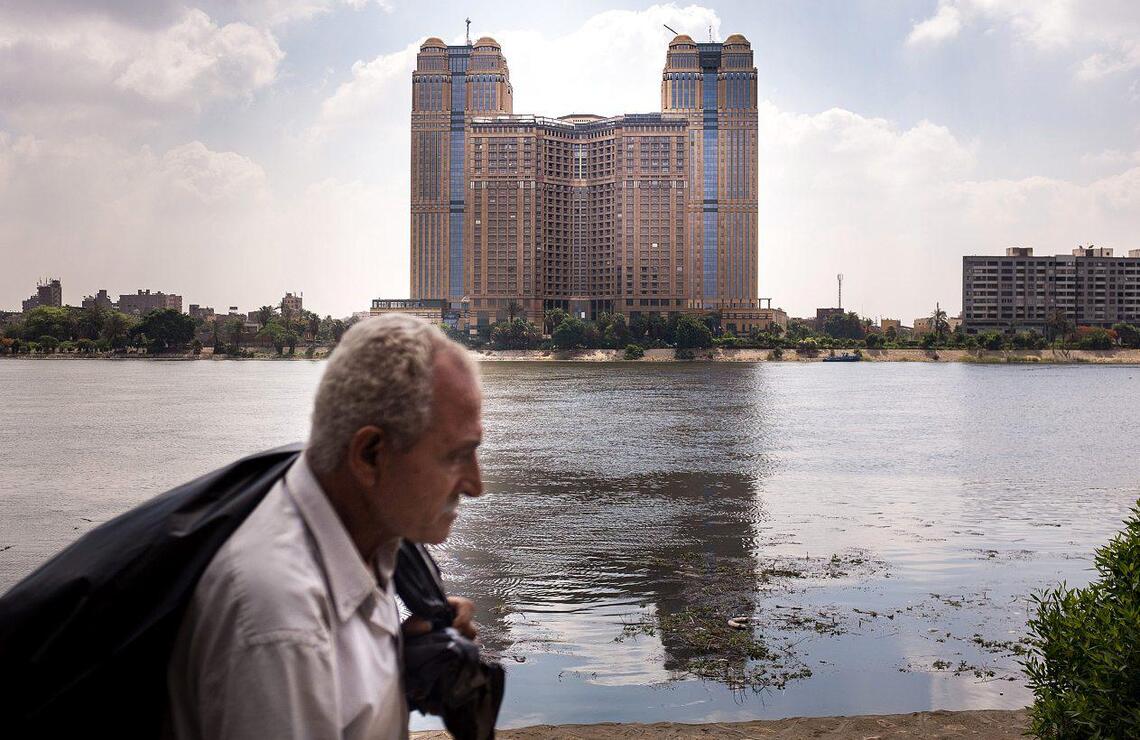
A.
pixel 366 453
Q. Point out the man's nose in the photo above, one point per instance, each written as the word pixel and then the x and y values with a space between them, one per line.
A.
pixel 473 485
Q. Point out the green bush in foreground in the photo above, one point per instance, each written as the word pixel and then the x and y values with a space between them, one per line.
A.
pixel 634 352
pixel 1084 664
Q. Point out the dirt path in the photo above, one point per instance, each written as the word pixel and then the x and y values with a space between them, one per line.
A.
pixel 987 723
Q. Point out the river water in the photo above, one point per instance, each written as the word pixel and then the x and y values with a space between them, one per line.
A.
pixel 882 524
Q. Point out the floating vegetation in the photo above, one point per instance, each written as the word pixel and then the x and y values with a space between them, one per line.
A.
pixel 717 628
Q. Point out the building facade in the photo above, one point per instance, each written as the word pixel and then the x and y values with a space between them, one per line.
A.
pixel 1018 291
pixel 429 310
pixel 144 302
pixel 639 213
pixel 48 293
pixel 292 304
pixel 100 300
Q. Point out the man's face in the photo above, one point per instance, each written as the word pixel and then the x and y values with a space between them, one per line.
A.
pixel 422 485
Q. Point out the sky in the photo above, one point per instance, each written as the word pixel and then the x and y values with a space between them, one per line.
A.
pixel 232 150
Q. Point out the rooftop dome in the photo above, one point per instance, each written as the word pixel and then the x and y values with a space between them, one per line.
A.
pixel 683 38
pixel 736 38
pixel 433 43
pixel 487 41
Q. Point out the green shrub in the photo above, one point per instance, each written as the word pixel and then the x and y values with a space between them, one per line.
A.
pixel 1095 339
pixel 684 353
pixel 634 352
pixel 776 354
pixel 1084 661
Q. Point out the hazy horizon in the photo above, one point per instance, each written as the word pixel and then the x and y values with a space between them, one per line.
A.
pixel 230 152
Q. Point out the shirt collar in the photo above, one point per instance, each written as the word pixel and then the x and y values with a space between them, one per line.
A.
pixel 350 581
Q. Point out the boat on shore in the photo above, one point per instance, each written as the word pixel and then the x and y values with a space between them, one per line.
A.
pixel 845 357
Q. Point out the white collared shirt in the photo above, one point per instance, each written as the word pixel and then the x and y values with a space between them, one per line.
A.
pixel 288 634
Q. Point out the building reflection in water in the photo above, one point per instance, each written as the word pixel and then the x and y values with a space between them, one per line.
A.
pixel 607 497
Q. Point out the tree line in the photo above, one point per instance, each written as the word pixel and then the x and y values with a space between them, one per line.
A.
pixel 67 329
pixel 562 331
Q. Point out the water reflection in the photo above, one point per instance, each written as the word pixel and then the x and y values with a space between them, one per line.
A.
pixel 617 493
pixel 597 500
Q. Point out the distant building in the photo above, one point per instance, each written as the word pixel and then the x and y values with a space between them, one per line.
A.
pixel 429 309
pixel 923 326
pixel 144 302
pixel 741 319
pixel 886 324
pixel 48 293
pixel 99 300
pixel 823 314
pixel 1089 287
pixel 291 304
pixel 637 214
pixel 205 313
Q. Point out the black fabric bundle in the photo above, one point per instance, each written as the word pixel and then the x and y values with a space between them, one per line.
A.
pixel 444 673
pixel 85 639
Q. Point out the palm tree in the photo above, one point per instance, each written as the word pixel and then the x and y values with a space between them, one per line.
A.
pixel 514 308
pixel 938 322
pixel 264 314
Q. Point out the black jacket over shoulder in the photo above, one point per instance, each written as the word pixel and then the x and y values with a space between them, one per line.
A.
pixel 85 639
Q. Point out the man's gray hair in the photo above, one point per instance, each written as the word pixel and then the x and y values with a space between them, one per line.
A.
pixel 379 375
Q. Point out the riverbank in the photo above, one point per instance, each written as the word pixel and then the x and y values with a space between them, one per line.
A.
pixel 982 357
pixel 986 723
pixel 1099 357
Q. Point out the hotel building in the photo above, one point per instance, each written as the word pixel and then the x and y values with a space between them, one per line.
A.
pixel 1019 291
pixel 636 213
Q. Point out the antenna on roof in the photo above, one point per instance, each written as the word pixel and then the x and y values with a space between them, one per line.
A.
pixel 710 34
pixel 468 31
pixel 674 32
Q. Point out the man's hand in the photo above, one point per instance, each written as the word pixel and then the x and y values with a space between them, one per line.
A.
pixel 464 620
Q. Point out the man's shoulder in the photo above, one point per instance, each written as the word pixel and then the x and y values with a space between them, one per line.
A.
pixel 265 583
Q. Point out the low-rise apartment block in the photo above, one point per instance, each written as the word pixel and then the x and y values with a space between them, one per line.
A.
pixel 144 302
pixel 1019 291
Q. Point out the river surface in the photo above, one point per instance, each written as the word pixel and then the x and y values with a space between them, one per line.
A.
pixel 883 525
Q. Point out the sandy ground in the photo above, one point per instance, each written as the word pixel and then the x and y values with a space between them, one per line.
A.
pixel 988 723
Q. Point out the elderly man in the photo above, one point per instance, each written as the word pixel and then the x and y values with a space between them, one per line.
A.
pixel 293 629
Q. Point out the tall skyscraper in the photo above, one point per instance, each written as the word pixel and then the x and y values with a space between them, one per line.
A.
pixel 637 213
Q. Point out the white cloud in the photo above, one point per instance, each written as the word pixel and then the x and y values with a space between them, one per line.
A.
pixel 278 12
pixel 894 209
pixel 205 224
pixel 93 72
pixel 944 24
pixel 196 60
pixel 1104 33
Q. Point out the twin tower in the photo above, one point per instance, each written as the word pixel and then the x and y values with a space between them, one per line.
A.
pixel 634 214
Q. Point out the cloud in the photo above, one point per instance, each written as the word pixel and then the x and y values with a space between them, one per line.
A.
pixel 944 24
pixel 1104 32
pixel 206 224
pixel 895 208
pixel 93 72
